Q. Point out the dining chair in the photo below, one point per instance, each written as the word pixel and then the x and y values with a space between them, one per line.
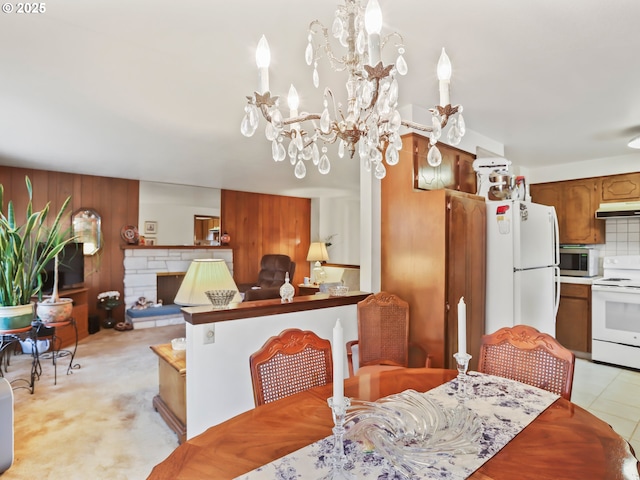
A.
pixel 383 335
pixel 524 354
pixel 291 362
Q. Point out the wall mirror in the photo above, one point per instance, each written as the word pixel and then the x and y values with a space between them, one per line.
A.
pixel 86 229
pixel 206 230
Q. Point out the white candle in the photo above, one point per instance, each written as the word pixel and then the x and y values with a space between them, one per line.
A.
pixel 462 326
pixel 373 26
pixel 338 364
pixel 444 75
pixel 263 59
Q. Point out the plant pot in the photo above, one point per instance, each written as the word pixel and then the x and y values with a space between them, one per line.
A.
pixel 55 312
pixel 20 316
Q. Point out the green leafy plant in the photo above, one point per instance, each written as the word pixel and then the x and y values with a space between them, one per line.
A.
pixel 26 249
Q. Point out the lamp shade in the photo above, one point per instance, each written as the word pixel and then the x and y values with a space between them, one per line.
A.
pixel 317 252
pixel 205 274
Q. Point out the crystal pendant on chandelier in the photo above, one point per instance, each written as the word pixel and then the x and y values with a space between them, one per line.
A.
pixel 434 157
pixel 367 121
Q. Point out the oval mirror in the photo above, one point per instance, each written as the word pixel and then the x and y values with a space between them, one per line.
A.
pixel 86 230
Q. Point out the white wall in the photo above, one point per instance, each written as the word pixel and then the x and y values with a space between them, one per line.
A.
pixel 173 208
pixel 599 167
pixel 218 376
pixel 340 217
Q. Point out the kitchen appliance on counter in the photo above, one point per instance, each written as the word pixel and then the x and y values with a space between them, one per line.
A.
pixel 578 261
pixel 492 177
pixel 523 277
pixel 615 312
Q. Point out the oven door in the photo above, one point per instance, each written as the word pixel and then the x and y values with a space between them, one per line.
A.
pixel 615 315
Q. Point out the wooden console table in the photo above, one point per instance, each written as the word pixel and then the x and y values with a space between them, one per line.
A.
pixel 171 401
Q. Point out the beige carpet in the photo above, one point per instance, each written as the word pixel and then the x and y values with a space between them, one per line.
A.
pixel 98 422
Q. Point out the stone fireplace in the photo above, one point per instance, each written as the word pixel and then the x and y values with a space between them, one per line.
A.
pixel 143 266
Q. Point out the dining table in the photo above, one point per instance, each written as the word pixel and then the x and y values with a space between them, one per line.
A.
pixel 563 442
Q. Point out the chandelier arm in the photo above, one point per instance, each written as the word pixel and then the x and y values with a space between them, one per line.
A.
pixel 336 110
pixel 389 36
pixel 339 65
pixel 301 118
pixel 416 126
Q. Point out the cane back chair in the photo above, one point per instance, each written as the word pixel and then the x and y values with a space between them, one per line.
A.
pixel 289 363
pixel 383 334
pixel 524 354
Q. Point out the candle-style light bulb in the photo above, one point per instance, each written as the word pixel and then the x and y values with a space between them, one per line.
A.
pixel 444 75
pixel 263 54
pixel 373 17
pixel 293 100
pixel 263 59
pixel 373 26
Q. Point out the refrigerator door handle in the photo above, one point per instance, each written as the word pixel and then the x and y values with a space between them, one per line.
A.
pixel 557 283
pixel 556 238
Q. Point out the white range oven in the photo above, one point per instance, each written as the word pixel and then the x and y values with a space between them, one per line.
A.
pixel 615 312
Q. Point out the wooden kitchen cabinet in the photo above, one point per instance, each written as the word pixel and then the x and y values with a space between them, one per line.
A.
pixel 576 202
pixel 573 322
pixel 434 253
pixel 621 188
pixel 455 172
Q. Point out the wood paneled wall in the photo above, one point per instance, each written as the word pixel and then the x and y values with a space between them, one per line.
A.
pixel 115 199
pixel 261 224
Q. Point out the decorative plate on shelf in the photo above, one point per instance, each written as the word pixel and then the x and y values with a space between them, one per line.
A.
pixel 129 234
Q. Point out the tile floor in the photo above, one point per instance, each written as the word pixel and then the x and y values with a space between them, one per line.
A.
pixel 612 394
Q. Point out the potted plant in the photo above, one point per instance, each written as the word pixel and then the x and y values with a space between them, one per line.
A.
pixel 54 309
pixel 24 251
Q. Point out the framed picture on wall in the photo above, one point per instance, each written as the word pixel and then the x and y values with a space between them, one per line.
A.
pixel 150 227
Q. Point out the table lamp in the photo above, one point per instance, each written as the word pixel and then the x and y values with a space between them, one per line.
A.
pixel 205 275
pixel 318 253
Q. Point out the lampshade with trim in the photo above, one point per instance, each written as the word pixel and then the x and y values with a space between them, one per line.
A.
pixel 317 252
pixel 205 274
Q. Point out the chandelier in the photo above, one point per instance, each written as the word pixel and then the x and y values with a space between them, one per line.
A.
pixel 369 122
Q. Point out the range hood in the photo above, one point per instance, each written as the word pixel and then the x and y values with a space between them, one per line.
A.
pixel 618 210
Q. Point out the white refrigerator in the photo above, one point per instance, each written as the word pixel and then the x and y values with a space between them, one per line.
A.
pixel 523 277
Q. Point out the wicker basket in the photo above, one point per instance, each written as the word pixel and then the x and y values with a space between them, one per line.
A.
pixel 220 298
pixel 338 291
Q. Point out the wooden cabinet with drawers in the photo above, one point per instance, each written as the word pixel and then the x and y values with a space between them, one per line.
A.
pixel 573 323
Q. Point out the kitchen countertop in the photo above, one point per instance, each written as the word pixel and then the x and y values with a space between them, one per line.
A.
pixel 581 280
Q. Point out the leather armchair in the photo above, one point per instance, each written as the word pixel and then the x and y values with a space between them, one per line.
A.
pixel 273 269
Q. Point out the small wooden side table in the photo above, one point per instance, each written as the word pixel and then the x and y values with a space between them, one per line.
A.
pixel 310 289
pixel 171 401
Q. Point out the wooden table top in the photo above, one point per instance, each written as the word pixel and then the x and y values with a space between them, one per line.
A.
pixel 176 358
pixel 564 442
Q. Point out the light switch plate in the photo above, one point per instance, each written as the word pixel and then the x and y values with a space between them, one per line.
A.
pixel 209 334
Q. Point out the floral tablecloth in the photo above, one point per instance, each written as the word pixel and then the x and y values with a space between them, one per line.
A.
pixel 504 406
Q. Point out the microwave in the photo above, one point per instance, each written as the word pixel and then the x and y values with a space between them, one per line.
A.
pixel 578 261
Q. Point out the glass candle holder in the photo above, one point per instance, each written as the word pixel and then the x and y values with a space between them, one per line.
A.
pixel 338 457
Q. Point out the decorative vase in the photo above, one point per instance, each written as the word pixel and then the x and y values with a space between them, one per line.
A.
pixel 20 316
pixel 54 312
pixel 287 290
pixel 225 239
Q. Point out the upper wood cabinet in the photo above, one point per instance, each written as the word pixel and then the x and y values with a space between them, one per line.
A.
pixel 621 188
pixel 575 202
pixel 455 172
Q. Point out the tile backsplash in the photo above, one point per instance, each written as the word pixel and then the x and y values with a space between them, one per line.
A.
pixel 622 237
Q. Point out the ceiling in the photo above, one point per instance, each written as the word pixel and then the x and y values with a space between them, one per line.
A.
pixel 155 89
